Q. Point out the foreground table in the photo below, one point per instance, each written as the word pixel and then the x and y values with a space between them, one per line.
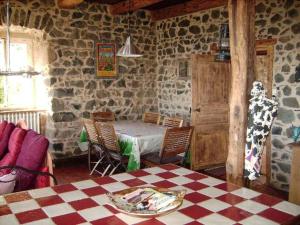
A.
pixel 208 201
pixel 137 138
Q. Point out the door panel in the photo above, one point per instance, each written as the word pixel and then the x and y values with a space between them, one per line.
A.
pixel 210 96
pixel 211 141
pixel 264 73
pixel 210 106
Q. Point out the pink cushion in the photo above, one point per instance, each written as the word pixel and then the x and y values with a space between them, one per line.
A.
pixel 14 147
pixel 32 156
pixel 42 181
pixel 5 138
pixel 2 128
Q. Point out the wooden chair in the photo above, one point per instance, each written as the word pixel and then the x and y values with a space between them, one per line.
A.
pixel 176 141
pixel 150 117
pixel 172 122
pixel 111 144
pixel 103 116
pixel 96 144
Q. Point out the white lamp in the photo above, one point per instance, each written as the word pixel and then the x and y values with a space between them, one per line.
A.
pixel 129 49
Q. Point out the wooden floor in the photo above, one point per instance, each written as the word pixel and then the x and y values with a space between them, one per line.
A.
pixel 76 169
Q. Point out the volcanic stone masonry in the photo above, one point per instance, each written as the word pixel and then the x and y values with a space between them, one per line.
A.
pixel 151 82
pixel 73 89
pixel 178 38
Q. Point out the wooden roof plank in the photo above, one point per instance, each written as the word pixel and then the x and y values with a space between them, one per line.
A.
pixel 186 8
pixel 123 7
pixel 68 4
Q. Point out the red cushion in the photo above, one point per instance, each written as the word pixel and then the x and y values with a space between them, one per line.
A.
pixel 5 138
pixel 32 156
pixel 14 147
pixel 2 128
pixel 42 181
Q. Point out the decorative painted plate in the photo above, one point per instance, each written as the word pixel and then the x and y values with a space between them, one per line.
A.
pixel 146 201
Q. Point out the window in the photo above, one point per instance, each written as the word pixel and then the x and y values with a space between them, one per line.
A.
pixel 19 91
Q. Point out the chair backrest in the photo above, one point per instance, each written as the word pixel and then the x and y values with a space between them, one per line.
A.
pixel 103 116
pixel 108 136
pixel 177 140
pixel 150 117
pixel 91 131
pixel 172 122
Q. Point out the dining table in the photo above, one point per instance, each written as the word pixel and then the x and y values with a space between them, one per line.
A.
pixel 137 138
pixel 208 201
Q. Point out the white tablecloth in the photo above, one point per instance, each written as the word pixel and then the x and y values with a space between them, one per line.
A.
pixel 145 137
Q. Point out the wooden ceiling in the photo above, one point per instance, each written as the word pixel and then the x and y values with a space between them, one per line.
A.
pixel 160 9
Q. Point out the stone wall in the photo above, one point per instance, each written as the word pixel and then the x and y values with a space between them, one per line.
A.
pixel 180 37
pixel 73 88
pixel 281 20
pixel 177 39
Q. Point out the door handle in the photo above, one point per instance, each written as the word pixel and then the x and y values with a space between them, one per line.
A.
pixel 197 110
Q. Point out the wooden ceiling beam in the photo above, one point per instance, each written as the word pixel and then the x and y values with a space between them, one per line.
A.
pixel 123 7
pixel 68 4
pixel 186 8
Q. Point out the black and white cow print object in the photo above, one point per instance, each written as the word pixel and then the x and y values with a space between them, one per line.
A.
pixel 261 114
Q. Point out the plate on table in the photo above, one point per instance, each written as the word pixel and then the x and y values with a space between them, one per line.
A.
pixel 146 201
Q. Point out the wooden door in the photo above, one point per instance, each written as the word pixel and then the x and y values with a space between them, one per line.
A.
pixel 264 73
pixel 210 94
pixel 210 90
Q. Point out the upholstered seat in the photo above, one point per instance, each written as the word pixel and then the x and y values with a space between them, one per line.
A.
pixel 26 155
pixel 14 148
pixel 3 124
pixel 6 130
pixel 32 156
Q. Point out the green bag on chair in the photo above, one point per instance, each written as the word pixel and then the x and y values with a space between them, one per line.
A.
pixel 83 136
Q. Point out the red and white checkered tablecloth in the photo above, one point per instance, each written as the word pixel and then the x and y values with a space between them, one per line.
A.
pixel 208 201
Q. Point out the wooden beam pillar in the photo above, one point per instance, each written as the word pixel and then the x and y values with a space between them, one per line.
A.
pixel 68 4
pixel 123 7
pixel 294 194
pixel 242 49
pixel 185 8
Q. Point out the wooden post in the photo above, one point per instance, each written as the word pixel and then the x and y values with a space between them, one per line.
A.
pixel 294 194
pixel 242 49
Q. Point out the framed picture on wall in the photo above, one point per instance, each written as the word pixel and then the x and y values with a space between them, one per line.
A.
pixel 106 66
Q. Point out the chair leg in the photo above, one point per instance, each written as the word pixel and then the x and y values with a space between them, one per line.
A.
pixel 105 171
pixel 89 157
pixel 113 170
pixel 99 161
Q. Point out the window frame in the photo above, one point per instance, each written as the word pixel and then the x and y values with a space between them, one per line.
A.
pixel 29 41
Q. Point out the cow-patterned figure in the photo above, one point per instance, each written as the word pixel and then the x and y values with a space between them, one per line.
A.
pixel 261 114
